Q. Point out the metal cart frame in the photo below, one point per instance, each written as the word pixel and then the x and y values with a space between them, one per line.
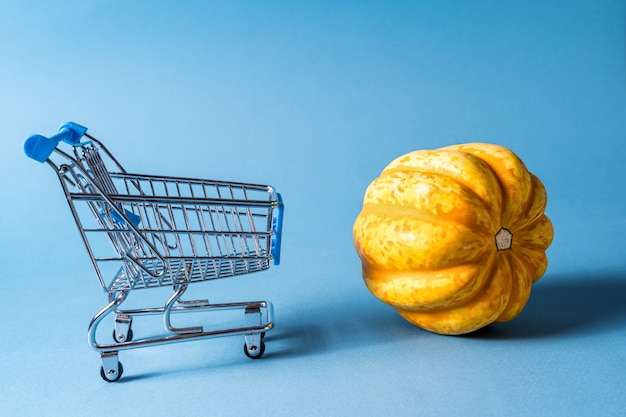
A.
pixel 149 231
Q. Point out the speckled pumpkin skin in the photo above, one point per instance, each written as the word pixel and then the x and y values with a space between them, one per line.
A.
pixel 427 236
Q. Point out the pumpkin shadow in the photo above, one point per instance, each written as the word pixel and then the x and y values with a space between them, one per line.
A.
pixel 564 306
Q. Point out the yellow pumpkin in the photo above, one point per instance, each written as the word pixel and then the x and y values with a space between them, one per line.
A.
pixel 454 238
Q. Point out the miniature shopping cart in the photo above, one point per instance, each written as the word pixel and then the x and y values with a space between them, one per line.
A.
pixel 146 231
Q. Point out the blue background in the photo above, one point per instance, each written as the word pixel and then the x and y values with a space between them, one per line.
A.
pixel 316 98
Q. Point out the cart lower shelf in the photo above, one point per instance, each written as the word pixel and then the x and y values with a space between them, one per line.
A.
pixel 257 320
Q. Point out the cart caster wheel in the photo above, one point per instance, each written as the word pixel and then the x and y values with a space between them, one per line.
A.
pixel 128 338
pixel 112 376
pixel 254 352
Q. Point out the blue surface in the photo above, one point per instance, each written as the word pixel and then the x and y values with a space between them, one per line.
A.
pixel 316 98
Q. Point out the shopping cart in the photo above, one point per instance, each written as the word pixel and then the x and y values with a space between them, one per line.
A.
pixel 147 231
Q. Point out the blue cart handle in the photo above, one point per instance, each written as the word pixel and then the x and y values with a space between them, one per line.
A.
pixel 39 147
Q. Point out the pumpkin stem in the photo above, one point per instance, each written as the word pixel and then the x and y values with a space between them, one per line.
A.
pixel 504 239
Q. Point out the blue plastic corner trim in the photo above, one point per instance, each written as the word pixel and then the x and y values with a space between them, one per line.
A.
pixel 277 228
pixel 39 147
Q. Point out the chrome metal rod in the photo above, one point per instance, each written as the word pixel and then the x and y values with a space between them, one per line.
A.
pixel 168 310
pixel 176 338
pixel 114 301
pixel 194 308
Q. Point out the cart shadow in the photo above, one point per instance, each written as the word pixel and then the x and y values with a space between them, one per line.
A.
pixel 131 378
pixel 354 326
pixel 566 306
pixel 313 332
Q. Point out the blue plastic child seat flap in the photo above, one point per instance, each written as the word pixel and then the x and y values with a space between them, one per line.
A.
pixel 134 219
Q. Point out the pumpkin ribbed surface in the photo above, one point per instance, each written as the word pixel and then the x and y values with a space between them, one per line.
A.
pixel 453 238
